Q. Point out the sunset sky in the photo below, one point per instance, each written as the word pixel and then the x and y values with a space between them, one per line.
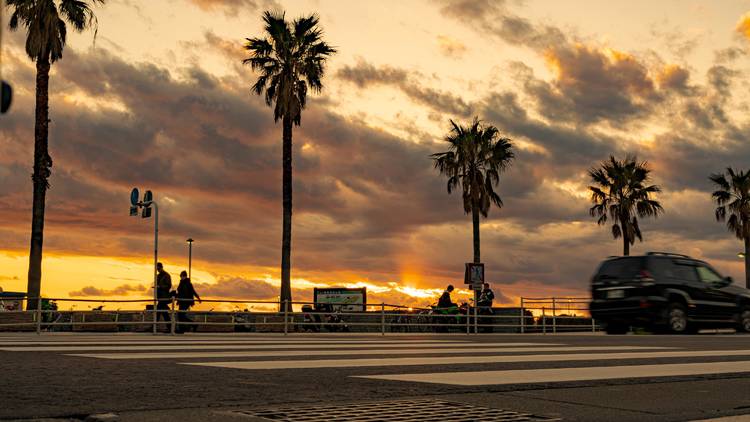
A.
pixel 161 101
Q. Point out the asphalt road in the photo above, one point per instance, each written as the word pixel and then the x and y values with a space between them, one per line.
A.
pixel 254 377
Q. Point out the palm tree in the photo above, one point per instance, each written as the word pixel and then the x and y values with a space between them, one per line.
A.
pixel 290 58
pixel 623 194
pixel 734 196
pixel 475 158
pixel 45 23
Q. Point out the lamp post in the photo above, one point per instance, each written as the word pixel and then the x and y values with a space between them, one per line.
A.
pixel 190 257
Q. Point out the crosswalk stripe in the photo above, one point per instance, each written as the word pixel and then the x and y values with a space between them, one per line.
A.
pixel 457 360
pixel 282 353
pixel 235 346
pixel 527 376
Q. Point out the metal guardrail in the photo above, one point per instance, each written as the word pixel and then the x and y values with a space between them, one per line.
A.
pixel 535 315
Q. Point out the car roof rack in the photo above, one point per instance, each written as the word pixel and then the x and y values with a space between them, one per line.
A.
pixel 668 254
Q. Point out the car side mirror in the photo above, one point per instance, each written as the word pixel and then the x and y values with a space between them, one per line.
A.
pixel 728 280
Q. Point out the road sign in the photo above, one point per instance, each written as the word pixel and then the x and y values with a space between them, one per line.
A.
pixel 134 194
pixel 474 273
pixel 148 197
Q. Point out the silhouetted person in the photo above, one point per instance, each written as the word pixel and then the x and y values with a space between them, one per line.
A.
pixel 444 306
pixel 485 306
pixel 186 296
pixel 445 300
pixel 163 296
pixel 486 296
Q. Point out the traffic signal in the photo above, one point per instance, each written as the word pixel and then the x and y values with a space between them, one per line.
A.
pixel 7 96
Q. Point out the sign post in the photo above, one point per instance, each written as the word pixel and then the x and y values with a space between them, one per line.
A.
pixel 474 278
pixel 145 205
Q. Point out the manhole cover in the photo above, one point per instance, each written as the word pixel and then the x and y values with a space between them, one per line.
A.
pixel 393 411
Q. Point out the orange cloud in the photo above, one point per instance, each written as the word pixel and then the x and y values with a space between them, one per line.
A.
pixel 743 27
pixel 451 47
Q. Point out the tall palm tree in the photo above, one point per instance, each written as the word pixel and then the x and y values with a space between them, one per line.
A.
pixel 46 30
pixel 290 58
pixel 475 158
pixel 623 194
pixel 733 198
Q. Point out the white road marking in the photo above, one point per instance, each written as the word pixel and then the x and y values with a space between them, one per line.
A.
pixel 527 376
pixel 457 360
pixel 280 353
pixel 323 345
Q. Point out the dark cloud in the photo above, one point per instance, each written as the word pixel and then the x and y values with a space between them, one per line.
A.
pixel 234 7
pixel 365 74
pixel 495 18
pixel 122 290
pixel 237 288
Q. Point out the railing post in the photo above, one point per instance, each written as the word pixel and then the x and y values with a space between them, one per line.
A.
pixel 39 315
pixel 174 322
pixel 523 317
pixel 544 322
pixel 382 318
pixel 468 321
pixel 593 325
pixel 554 316
pixel 286 316
pixel 475 320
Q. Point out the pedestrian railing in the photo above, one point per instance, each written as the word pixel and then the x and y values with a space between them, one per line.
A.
pixel 535 315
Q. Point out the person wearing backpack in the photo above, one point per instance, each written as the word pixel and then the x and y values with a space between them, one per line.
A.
pixel 186 296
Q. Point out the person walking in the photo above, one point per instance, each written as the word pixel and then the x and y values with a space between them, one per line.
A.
pixel 186 296
pixel 485 306
pixel 163 295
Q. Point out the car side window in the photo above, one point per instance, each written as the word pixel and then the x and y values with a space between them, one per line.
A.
pixel 685 271
pixel 708 275
pixel 662 267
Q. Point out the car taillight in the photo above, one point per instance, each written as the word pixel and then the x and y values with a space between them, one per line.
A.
pixel 646 278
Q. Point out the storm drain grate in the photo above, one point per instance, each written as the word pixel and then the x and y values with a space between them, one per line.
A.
pixel 394 411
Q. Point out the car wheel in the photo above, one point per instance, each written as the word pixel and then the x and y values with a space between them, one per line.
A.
pixel 744 321
pixel 615 328
pixel 677 320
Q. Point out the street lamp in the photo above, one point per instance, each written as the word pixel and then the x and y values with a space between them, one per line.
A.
pixel 741 255
pixel 190 256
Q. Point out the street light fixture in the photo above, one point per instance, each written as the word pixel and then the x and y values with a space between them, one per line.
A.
pixel 741 255
pixel 190 257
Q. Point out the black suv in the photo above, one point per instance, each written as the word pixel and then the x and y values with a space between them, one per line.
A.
pixel 666 292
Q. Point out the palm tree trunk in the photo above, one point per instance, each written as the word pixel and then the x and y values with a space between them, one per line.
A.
pixel 477 256
pixel 747 262
pixel 475 222
pixel 625 246
pixel 42 165
pixel 286 240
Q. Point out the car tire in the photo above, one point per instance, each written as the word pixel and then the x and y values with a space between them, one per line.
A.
pixel 743 322
pixel 677 319
pixel 615 328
